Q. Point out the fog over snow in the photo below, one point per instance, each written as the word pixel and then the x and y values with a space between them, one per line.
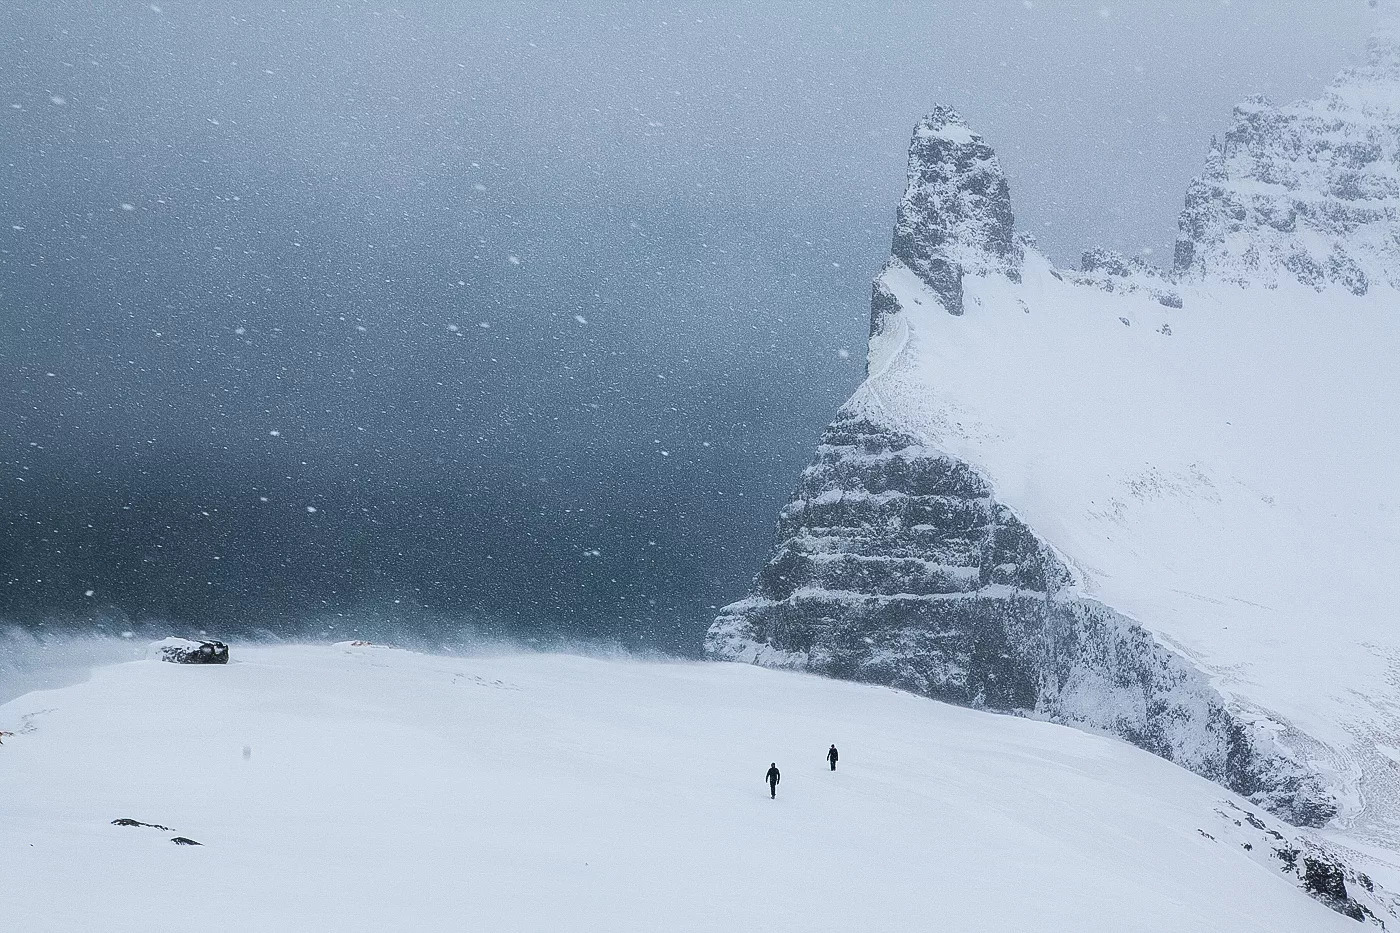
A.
pixel 508 313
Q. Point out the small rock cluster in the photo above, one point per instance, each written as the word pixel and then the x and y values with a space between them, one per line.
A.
pixel 178 840
pixel 184 651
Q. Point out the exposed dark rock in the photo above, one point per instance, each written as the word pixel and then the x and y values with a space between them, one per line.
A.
pixel 127 822
pixel 183 841
pixel 183 651
pixel 1324 879
pixel 882 305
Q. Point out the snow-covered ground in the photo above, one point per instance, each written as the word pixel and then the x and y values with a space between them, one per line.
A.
pixel 360 788
pixel 1225 473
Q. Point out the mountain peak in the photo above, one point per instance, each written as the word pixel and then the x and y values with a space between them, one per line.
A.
pixel 955 217
pixel 1309 191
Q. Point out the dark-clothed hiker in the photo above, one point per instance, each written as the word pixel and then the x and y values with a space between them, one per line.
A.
pixel 831 756
pixel 773 777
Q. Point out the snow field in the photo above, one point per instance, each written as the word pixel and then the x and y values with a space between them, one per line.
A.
pixel 388 790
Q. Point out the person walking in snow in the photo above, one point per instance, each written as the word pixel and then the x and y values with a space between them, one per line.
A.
pixel 773 777
pixel 831 756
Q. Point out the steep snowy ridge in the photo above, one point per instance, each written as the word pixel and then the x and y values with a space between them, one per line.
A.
pixel 1160 505
pixel 1308 191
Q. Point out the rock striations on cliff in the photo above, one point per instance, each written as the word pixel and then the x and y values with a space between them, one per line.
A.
pixel 897 565
pixel 1041 501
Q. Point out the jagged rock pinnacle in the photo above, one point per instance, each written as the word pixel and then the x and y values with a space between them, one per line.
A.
pixel 955 217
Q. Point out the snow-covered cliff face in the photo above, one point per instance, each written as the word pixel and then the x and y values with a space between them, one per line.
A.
pixel 1159 505
pixel 897 565
pixel 1309 191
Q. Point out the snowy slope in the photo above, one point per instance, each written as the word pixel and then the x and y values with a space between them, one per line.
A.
pixel 359 788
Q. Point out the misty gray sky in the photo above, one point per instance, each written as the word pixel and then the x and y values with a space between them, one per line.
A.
pixel 539 307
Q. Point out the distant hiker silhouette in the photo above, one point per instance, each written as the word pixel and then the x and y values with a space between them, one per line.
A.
pixel 831 756
pixel 773 777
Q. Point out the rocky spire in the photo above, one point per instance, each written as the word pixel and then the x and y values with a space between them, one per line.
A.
pixel 955 217
pixel 1309 191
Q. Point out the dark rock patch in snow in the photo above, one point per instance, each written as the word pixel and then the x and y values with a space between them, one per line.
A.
pixel 184 651
pixel 1317 870
pixel 129 822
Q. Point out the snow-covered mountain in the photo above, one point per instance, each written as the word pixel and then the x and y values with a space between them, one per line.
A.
pixel 365 788
pixel 1160 505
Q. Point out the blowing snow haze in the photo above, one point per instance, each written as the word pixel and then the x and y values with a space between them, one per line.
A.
pixel 507 313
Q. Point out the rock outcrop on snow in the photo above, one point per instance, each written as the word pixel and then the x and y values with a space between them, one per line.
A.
pixel 1304 862
pixel 1309 191
pixel 183 651
pixel 1111 271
